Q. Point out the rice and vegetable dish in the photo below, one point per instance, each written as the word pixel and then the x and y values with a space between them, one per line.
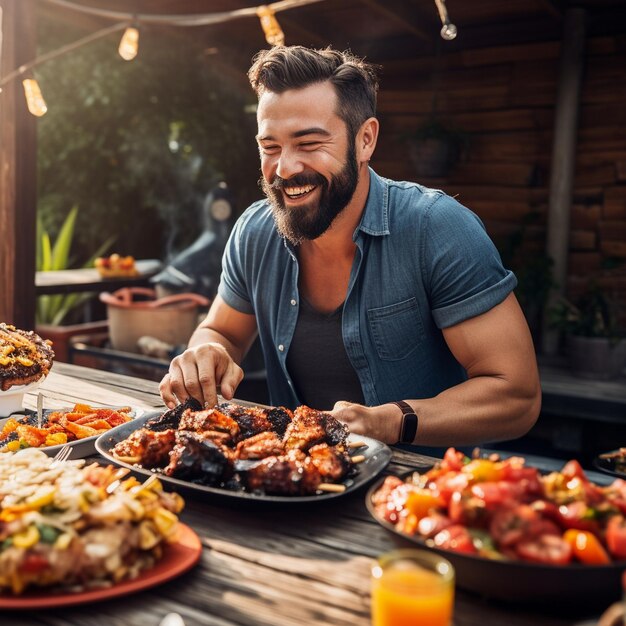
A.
pixel 77 526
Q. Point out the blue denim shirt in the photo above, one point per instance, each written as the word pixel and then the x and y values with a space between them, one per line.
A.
pixel 423 262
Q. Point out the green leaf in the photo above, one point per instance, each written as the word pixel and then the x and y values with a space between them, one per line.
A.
pixel 61 249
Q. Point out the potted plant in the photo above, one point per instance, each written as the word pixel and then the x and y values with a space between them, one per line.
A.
pixel 595 344
pixel 435 148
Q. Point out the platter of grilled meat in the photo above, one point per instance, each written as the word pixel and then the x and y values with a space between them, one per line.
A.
pixel 249 452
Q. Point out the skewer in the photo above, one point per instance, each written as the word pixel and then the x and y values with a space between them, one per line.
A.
pixel 131 460
pixel 331 487
pixel 359 458
pixel 357 444
pixel 613 455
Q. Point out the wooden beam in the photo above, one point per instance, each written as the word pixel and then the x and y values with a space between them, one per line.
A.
pixel 18 166
pixel 403 15
pixel 564 157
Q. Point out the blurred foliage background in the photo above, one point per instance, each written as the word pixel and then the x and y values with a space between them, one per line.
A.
pixel 137 145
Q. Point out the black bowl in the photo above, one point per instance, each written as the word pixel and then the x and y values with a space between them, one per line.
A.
pixel 520 581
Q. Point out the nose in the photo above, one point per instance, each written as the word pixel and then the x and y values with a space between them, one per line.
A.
pixel 289 165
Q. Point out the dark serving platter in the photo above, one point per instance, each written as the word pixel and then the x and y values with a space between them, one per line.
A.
pixel 518 581
pixel 377 456
pixel 609 466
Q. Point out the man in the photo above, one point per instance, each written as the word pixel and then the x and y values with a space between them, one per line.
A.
pixel 364 291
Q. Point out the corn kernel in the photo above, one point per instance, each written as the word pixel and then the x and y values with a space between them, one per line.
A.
pixel 27 538
pixel 148 536
pixel 24 361
pixel 56 439
pixel 165 521
pixel 63 541
pixel 13 446
pixel 136 508
pixel 42 497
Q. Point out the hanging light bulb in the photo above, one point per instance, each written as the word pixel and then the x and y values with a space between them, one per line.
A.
pixel 34 100
pixel 129 44
pixel 273 32
pixel 448 30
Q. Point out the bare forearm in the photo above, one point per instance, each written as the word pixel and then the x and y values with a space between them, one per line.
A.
pixel 203 335
pixel 481 409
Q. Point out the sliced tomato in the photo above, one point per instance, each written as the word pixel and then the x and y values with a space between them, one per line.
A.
pixel 456 538
pixel 449 483
pixel 494 494
pixel 548 549
pixel 33 563
pixel 579 516
pixel 433 524
pixel 521 523
pixel 616 536
pixel 573 469
pixel 586 547
pixel 466 509
pixel 452 461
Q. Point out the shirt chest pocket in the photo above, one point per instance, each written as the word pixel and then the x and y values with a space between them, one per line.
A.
pixel 396 329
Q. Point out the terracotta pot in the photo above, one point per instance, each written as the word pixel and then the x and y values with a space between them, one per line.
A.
pixel 171 319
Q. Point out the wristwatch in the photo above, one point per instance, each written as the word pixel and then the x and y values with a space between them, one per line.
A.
pixel 408 428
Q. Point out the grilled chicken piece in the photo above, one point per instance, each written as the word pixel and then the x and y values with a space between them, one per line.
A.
pixel 280 418
pixel 310 427
pixel 209 419
pixel 199 458
pixel 260 446
pixel 292 474
pixel 171 418
pixel 255 420
pixel 332 462
pixel 152 448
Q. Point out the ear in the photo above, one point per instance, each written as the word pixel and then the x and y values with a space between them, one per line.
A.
pixel 366 139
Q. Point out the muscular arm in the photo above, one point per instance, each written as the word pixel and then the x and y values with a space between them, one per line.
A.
pixel 212 358
pixel 500 400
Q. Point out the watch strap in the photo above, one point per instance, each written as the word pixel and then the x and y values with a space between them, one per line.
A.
pixel 408 428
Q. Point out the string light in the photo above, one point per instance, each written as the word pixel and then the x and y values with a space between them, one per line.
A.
pixel 129 44
pixel 34 100
pixel 273 32
pixel 448 30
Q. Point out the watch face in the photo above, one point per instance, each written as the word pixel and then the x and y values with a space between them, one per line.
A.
pixel 221 210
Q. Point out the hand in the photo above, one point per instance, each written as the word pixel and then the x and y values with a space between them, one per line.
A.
pixel 197 372
pixel 379 422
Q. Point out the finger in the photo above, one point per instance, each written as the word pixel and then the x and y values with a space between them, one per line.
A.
pixel 165 390
pixel 178 374
pixel 207 381
pixel 230 380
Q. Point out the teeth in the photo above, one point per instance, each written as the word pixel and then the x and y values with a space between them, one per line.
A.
pixel 293 192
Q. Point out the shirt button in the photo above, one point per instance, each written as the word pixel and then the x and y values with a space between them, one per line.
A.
pixel 281 347
pixel 293 303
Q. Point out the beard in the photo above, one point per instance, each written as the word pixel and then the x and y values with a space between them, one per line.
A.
pixel 312 219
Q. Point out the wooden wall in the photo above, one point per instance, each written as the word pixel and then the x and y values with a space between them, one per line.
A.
pixel 503 98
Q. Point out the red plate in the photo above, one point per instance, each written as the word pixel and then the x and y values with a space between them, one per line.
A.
pixel 178 557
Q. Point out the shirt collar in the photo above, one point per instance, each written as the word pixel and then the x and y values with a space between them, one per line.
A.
pixel 375 218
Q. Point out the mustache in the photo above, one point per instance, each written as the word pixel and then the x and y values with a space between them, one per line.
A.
pixel 299 180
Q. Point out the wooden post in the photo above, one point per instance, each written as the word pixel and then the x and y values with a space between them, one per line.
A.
pixel 564 157
pixel 18 167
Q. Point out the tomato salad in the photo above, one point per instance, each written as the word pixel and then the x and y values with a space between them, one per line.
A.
pixel 504 509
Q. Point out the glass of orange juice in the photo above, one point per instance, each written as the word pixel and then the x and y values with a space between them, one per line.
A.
pixel 412 587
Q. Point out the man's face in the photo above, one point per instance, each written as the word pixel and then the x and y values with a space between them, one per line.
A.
pixel 309 165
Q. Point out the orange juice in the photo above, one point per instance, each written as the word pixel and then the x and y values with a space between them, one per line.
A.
pixel 412 589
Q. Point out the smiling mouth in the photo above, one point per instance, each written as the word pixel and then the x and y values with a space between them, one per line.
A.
pixel 294 193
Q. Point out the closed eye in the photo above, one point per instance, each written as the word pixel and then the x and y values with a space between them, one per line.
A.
pixel 310 145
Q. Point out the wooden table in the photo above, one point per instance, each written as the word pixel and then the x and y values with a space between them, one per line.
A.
pixel 261 566
pixel 88 279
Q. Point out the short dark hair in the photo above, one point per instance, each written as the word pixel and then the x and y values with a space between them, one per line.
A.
pixel 293 67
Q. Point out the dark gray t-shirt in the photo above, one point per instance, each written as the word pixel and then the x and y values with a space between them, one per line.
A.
pixel 317 361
